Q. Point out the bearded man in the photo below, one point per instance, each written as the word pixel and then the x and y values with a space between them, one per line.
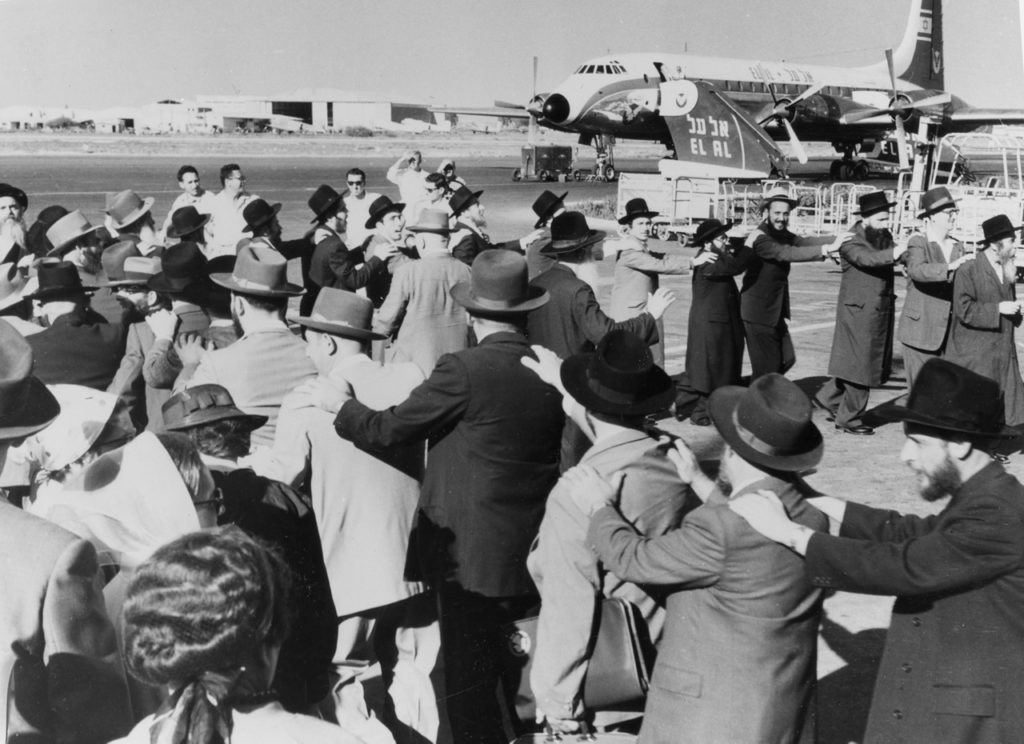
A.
pixel 13 203
pixel 865 316
pixel 950 671
pixel 985 313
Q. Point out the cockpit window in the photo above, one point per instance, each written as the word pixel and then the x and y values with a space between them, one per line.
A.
pixel 590 68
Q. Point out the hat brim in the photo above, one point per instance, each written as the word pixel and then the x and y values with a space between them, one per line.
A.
pixel 210 415
pixel 147 204
pixel 274 209
pixel 376 217
pixel 1012 232
pixel 40 410
pixel 125 283
pixel 53 292
pixel 12 299
pixel 875 209
pixel 717 232
pixel 337 329
pixel 332 204
pixel 575 379
pixel 172 233
pixel 929 212
pixel 546 215
pixel 228 282
pixel 66 247
pixel 593 236
pixel 159 283
pixel 786 199
pixel 462 293
pixel 468 203
pixel 892 411
pixel 721 405
pixel 627 218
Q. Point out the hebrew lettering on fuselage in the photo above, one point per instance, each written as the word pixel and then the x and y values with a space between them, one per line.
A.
pixel 709 136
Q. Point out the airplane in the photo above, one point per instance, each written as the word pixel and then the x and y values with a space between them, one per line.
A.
pixel 727 113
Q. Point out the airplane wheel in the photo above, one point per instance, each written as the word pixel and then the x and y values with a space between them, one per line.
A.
pixel 833 170
pixel 517 175
pixel 577 175
pixel 846 171
pixel 609 173
pixel 861 171
pixel 544 176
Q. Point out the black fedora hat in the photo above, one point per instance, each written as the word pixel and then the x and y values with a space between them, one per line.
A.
pixel 58 280
pixel 935 200
pixel 38 243
pixel 498 285
pixel 620 378
pixel 635 209
pixel 186 221
pixel 952 398
pixel 997 228
pixel 341 313
pixel 570 232
pixel 380 207
pixel 204 404
pixel 183 265
pixel 260 271
pixel 19 196
pixel 324 200
pixel 258 213
pixel 873 203
pixel 708 230
pixel 26 405
pixel 768 424
pixel 462 199
pixel 545 206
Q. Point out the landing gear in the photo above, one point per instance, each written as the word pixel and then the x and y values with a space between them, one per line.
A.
pixel 604 160
pixel 848 169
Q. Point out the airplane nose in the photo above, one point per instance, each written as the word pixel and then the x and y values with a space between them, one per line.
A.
pixel 556 108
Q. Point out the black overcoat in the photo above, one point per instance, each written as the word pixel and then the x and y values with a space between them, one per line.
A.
pixel 865 312
pixel 714 335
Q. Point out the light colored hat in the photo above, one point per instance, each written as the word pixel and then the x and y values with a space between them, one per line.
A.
pixel 432 221
pixel 126 206
pixel 65 231
pixel 12 285
pixel 84 413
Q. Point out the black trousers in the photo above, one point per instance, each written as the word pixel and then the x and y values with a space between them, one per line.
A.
pixel 479 686
pixel 846 400
pixel 770 348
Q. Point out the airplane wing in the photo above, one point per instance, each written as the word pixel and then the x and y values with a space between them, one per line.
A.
pixel 980 116
pixel 495 111
pixel 709 129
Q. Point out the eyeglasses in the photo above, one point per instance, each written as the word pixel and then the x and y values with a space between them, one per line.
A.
pixel 354 183
pixel 217 502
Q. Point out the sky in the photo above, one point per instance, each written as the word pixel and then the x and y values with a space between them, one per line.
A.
pixel 101 53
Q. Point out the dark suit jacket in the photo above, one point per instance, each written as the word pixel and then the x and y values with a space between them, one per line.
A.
pixel 951 670
pixel 493 430
pixel 714 337
pixel 865 313
pixel 571 322
pixel 78 348
pixel 764 299
pixel 467 244
pixel 926 309
pixel 737 659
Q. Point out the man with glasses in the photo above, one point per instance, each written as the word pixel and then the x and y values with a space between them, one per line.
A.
pixel 932 260
pixel 358 201
pixel 436 188
pixel 228 223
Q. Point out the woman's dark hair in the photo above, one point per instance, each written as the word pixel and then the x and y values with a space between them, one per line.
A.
pixel 195 613
pixel 186 459
pixel 230 438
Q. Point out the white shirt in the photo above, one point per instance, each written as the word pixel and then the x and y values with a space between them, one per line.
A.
pixel 412 185
pixel 225 228
pixel 358 213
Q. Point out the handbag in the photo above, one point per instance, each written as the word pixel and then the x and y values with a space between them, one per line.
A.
pixel 621 653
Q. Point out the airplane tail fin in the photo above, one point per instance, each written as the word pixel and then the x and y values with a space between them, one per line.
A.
pixel 920 55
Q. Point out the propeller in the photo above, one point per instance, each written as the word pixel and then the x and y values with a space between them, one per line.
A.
pixel 899 108
pixel 780 112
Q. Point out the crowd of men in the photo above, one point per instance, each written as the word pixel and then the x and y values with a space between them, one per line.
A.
pixel 443 436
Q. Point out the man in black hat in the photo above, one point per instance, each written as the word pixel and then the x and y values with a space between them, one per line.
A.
pixel 737 661
pixel 865 316
pixel 187 225
pixel 610 391
pixel 986 313
pixel 547 206
pixel 468 236
pixel 950 669
pixel 493 429
pixel 572 322
pixel 764 296
pixel 374 261
pixel 55 630
pixel 330 218
pixel 933 257
pixel 78 346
